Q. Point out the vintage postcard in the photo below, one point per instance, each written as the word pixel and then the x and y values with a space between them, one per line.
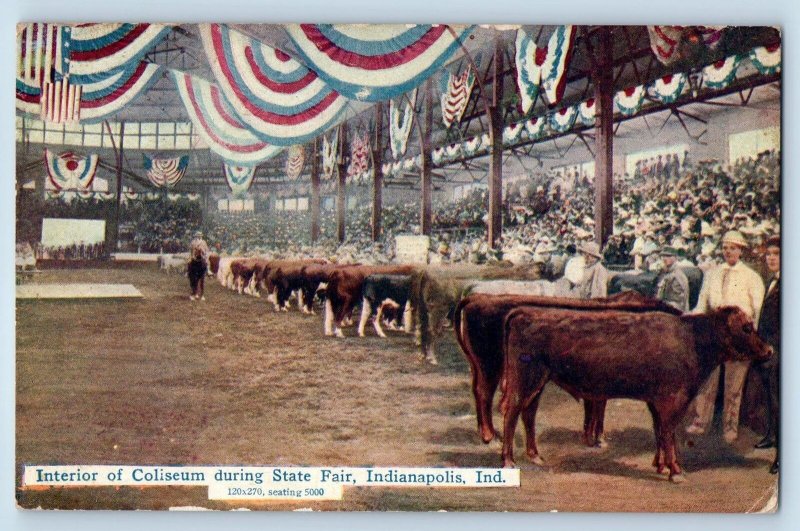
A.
pixel 398 267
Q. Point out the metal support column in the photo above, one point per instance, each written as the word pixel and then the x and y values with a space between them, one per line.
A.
pixel 604 138
pixel 496 150
pixel 377 168
pixel 426 213
pixel 315 202
pixel 341 197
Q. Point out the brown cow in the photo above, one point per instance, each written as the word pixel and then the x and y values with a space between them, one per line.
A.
pixel 242 270
pixel 654 357
pixel 314 276
pixel 286 277
pixel 345 290
pixel 478 326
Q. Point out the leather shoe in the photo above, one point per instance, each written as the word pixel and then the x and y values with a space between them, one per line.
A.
pixel 774 468
pixel 766 442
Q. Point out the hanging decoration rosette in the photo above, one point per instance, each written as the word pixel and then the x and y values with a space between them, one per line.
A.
pixel 554 68
pixel 455 95
pixel 130 193
pixel 563 119
pixel 295 159
pixel 665 40
pixel 165 173
pixel 535 127
pixel 587 112
pixel 375 62
pixel 85 194
pixel 767 59
pixel 453 151
pixel 68 171
pixel 329 153
pixel 720 74
pixel 54 194
pixel 472 146
pixel 239 178
pixel 438 156
pixel 278 98
pixel 412 163
pixel 629 100
pixel 359 155
pixel 397 167
pixel 386 169
pixel 216 123
pixel 512 133
pixel 401 116
pixel 529 60
pixel 669 88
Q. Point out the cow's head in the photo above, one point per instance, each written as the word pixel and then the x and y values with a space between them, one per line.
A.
pixel 739 338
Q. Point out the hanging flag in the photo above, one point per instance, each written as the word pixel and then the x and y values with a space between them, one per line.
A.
pixel 239 178
pixel 295 159
pixel 401 116
pixel 629 100
pixel 720 74
pixel 216 123
pixel 69 171
pixel 529 59
pixel 456 96
pixel 587 112
pixel 767 59
pixel 375 62
pixel 669 88
pixel 278 98
pixel 554 68
pixel 329 154
pixel 665 40
pixel 165 173
pixel 535 127
pixel 562 120
pixel 359 155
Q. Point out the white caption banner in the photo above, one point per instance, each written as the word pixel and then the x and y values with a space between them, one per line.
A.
pixel 275 483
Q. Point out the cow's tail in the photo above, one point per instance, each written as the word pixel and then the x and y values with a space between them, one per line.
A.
pixel 510 379
pixel 419 308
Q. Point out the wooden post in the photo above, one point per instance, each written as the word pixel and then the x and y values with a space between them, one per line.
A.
pixel 112 232
pixel 377 168
pixel 315 202
pixel 604 138
pixel 496 150
pixel 341 197
pixel 427 127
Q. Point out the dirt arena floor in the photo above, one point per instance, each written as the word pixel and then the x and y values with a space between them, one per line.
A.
pixel 163 380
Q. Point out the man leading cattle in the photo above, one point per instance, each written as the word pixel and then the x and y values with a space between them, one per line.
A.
pixel 595 276
pixel 198 266
pixel 731 284
pixel 672 285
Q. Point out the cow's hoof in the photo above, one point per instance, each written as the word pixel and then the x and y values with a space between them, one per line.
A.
pixel 509 463
pixel 339 333
pixel 536 460
pixel 677 478
pixel 361 334
pixel 202 298
pixel 432 361
pixel 600 443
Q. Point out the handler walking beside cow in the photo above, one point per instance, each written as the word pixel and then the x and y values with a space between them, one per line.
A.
pixel 731 284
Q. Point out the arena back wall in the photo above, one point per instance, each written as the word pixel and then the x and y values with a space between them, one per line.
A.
pixel 594 197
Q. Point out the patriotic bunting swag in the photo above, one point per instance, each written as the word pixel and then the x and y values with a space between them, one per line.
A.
pixel 68 171
pixel 216 123
pixel 85 72
pixel 375 62
pixel 529 60
pixel 165 173
pixel 629 101
pixel 239 178
pixel 329 152
pixel 456 95
pixel 766 59
pixel 559 52
pixel 665 40
pixel 474 146
pixel 280 100
pixel 295 159
pixel 720 74
pixel 669 88
pixel 400 122
pixel 587 112
pixel 563 119
pixel 359 156
pixel 453 151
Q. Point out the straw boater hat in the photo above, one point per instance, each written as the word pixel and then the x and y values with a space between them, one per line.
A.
pixel 592 249
pixel 735 237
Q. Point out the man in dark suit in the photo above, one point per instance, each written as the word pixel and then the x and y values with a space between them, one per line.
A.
pixel 769 328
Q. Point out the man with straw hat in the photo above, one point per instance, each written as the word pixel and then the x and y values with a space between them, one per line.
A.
pixel 730 284
pixel 595 277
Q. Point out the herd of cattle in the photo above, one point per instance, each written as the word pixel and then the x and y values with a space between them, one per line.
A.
pixel 519 334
